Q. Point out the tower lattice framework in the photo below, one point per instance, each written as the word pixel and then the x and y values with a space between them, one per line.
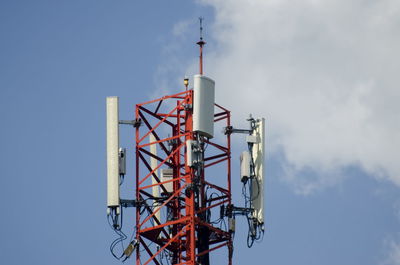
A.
pixel 182 222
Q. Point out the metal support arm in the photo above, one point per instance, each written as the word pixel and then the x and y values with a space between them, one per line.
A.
pixel 232 210
pixel 129 203
pixel 135 123
pixel 230 130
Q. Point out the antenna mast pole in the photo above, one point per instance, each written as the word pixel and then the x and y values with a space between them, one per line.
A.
pixel 201 43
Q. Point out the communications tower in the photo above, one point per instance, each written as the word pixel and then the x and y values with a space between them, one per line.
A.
pixel 183 194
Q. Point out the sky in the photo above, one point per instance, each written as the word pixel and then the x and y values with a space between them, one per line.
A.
pixel 324 74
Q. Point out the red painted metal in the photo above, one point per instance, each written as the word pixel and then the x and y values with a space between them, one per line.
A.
pixel 183 209
pixel 201 44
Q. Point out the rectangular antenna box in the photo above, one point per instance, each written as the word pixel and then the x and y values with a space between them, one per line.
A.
pixel 245 166
pixel 189 152
pixel 203 106
pixel 167 174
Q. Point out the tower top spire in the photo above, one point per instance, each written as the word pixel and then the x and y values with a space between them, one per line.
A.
pixel 201 27
pixel 201 43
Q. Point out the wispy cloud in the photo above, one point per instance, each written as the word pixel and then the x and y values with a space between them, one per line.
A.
pixel 392 253
pixel 323 73
pixel 175 64
pixel 181 28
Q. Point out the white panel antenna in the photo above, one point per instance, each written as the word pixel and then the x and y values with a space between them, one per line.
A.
pixel 153 164
pixel 112 152
pixel 258 184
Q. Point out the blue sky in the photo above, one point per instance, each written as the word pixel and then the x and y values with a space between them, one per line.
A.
pixel 332 190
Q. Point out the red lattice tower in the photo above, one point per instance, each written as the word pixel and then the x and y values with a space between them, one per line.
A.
pixel 186 234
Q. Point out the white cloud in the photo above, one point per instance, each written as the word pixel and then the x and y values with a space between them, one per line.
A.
pixel 181 28
pixel 325 74
pixel 393 253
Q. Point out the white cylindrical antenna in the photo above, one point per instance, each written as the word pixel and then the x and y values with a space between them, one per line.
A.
pixel 112 152
pixel 203 108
